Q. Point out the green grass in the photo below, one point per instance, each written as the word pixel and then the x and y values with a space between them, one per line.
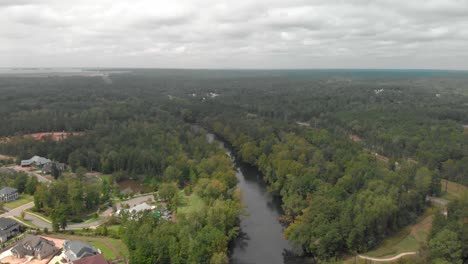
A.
pixel 108 254
pixel 26 222
pixel 107 177
pixel 111 248
pixel 39 215
pixel 190 204
pixel 22 200
pixel 403 241
pixel 454 190
pixel 406 240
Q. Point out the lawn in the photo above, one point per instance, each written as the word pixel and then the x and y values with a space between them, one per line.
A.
pixel 22 200
pixel 39 215
pixel 406 240
pixel 190 204
pixel 111 248
pixel 454 190
pixel 26 222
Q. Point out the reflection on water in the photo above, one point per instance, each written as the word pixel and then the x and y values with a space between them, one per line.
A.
pixel 261 237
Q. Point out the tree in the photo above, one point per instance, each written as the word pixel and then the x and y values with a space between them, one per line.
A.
pixel 55 171
pixel 167 191
pixel 20 182
pixel 423 180
pixel 31 185
pixel 446 245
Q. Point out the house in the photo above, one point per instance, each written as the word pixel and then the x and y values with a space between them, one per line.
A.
pixel 8 194
pixel 47 168
pixel 26 163
pixel 74 250
pixel 8 228
pixel 34 246
pixel 138 208
pixel 36 161
pixel 96 259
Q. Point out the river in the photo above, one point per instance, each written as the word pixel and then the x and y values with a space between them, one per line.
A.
pixel 261 237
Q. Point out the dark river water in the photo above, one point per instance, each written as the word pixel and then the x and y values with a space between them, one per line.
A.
pixel 261 237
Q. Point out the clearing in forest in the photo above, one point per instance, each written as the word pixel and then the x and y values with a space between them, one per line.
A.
pixel 406 240
pixel 454 190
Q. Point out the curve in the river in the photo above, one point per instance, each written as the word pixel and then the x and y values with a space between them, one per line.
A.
pixel 261 237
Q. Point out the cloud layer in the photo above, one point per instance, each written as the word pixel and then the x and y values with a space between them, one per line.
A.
pixel 235 34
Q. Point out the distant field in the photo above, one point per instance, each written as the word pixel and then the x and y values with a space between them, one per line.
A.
pixel 23 199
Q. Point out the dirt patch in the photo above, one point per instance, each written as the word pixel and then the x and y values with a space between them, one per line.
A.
pixel 6 157
pixel 19 168
pixel 132 187
pixel 355 138
pixel 382 157
pixel 55 136
pixel 422 229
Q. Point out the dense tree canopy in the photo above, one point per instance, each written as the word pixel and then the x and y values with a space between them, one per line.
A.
pixel 352 155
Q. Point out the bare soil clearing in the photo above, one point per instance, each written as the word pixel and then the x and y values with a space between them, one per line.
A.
pixel 55 136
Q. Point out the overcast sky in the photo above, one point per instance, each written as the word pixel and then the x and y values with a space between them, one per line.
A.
pixel 235 33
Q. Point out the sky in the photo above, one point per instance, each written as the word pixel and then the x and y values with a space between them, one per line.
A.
pixel 274 34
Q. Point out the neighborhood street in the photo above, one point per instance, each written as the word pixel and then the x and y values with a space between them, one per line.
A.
pixel 102 217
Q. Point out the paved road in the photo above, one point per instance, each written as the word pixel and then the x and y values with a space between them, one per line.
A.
pixel 39 177
pixel 437 200
pixel 388 259
pixel 43 224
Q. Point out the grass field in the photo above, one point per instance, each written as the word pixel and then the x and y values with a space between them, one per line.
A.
pixel 39 215
pixel 190 204
pixel 111 248
pixel 454 190
pixel 408 239
pixel 22 200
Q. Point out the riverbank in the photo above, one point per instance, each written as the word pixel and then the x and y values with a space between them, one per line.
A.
pixel 261 238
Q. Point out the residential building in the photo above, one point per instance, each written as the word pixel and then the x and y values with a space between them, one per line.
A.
pixel 8 228
pixel 36 161
pixel 47 168
pixel 8 194
pixel 96 259
pixel 74 250
pixel 136 209
pixel 35 246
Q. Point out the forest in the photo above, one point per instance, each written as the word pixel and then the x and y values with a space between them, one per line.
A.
pixel 316 136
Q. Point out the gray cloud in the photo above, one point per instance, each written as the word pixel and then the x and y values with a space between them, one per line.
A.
pixel 241 33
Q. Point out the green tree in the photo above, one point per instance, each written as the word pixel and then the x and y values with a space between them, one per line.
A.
pixel 446 245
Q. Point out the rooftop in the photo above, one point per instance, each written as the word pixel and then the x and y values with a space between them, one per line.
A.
pixel 7 190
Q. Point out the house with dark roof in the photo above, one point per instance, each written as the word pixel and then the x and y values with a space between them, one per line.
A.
pixel 47 168
pixel 74 250
pixel 34 246
pixel 96 259
pixel 8 194
pixel 8 228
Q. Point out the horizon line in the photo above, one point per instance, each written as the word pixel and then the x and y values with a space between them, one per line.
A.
pixel 240 69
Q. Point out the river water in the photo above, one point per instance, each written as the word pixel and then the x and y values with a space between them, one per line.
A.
pixel 261 237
